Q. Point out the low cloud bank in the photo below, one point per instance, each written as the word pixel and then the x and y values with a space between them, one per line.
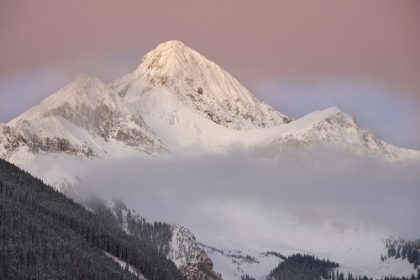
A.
pixel 238 197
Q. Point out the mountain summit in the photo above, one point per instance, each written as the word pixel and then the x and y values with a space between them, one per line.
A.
pixel 200 85
pixel 167 55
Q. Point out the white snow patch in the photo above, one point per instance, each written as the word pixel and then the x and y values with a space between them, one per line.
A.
pixel 125 265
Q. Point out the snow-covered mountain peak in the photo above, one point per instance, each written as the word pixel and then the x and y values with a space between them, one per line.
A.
pixel 81 93
pixel 84 119
pixel 171 44
pixel 322 114
pixel 82 77
pixel 170 48
pixel 171 55
pixel 88 90
pixel 172 59
pixel 175 70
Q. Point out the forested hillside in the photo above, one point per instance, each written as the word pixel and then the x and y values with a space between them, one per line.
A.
pixel 45 235
pixel 307 267
pixel 303 267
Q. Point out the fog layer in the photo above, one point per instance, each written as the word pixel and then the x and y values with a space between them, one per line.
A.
pixel 238 197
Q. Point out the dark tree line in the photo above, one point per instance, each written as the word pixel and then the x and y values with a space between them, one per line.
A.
pixel 306 267
pixel 45 235
pixel 404 278
pixel 277 254
pixel 302 267
pixel 351 277
pixel 406 250
pixel 158 234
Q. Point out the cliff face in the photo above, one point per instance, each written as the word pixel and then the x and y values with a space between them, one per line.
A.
pixel 188 256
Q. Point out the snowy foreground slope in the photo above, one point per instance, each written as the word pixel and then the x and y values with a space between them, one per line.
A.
pixel 178 103
pixel 356 252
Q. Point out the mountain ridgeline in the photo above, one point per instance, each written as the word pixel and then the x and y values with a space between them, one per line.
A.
pixel 175 99
pixel 45 235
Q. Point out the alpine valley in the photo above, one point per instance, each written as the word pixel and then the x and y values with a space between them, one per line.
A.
pixel 178 104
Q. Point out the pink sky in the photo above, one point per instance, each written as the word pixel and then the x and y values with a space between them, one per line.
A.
pixel 376 41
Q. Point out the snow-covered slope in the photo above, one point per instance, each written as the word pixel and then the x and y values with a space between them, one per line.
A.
pixel 357 251
pixel 234 260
